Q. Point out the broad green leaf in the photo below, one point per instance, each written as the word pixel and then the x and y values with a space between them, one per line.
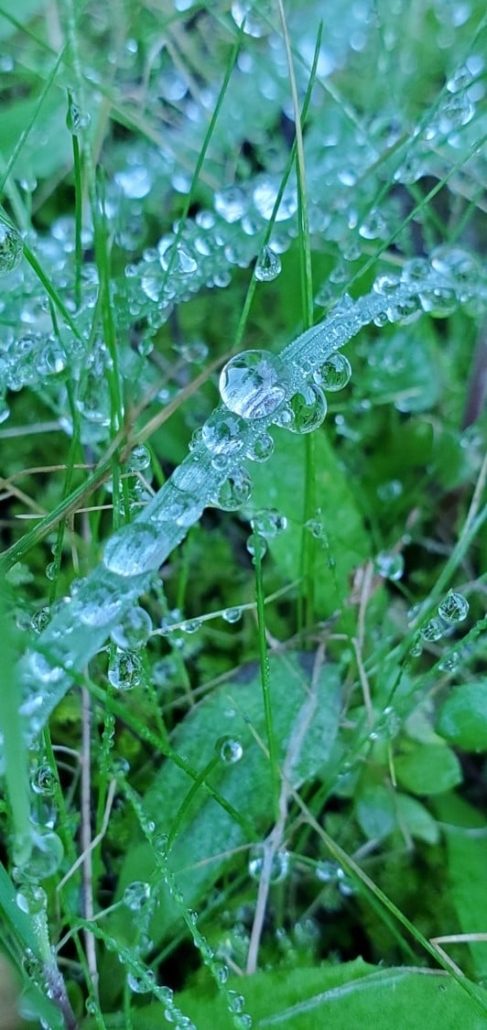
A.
pixel 466 841
pixel 375 811
pixel 341 997
pixel 208 834
pixel 37 158
pixel 428 769
pixel 344 545
pixel 463 716
pixel 415 819
pixel 403 364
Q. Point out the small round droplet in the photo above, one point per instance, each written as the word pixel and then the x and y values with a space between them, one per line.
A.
pixel 269 523
pixel 136 895
pixel 256 545
pixel 279 866
pixel 433 630
pixel 334 374
pixel 31 899
pixel 134 630
pixel 253 384
pixel 131 551
pixel 124 670
pixel 234 491
pixel 229 749
pixel 389 565
pixel 261 448
pixel 308 410
pixel 43 781
pixel 10 248
pixel 454 608
pixel 232 615
pixel 268 265
pixel 141 984
pixel 139 459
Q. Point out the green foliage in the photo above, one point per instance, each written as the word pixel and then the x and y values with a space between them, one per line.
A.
pixel 242 417
pixel 463 717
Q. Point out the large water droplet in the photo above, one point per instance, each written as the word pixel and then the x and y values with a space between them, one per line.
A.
pixel 454 608
pixel 134 630
pixel 31 899
pixel 131 551
pixel 308 410
pixel 43 781
pixel 222 433
pixel 253 384
pixel 334 374
pixel 10 248
pixel 46 855
pixel 124 670
pixel 268 522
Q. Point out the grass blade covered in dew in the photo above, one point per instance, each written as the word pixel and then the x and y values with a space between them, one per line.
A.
pixel 244 714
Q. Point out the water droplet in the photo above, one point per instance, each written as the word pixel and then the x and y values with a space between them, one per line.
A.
pixel 132 550
pixel 416 648
pixel 450 662
pixel 43 781
pixel 261 448
pixel 31 899
pixel 454 608
pixel 231 203
pixel 51 571
pixel 134 630
pixel 236 1001
pixel 221 972
pixel 389 565
pixel 268 266
pixel 222 433
pixel 195 351
pixel 10 248
pixel 390 490
pixel 234 491
pixel 178 260
pixel 440 302
pixel 46 855
pixel 433 630
pixel 268 523
pixel 327 872
pixel 256 544
pixel 141 983
pixel 139 459
pixel 374 227
pixel 136 895
pixel 334 374
pixel 100 607
pixel 308 410
pixel 386 284
pixel 190 626
pixel 253 384
pixel 124 670
pixel 232 615
pixel 279 867
pixel 229 749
